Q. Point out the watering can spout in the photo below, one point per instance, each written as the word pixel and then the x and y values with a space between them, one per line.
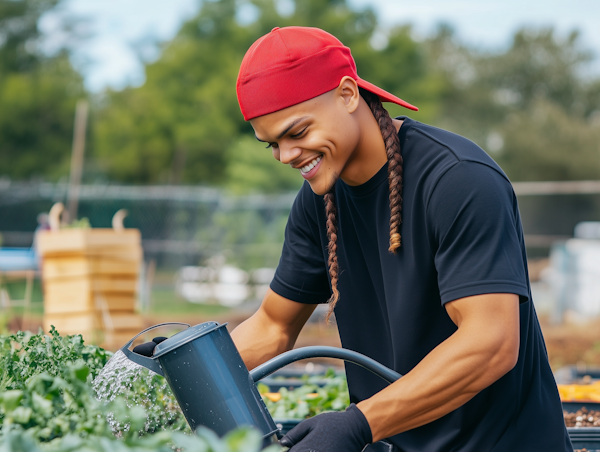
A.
pixel 144 361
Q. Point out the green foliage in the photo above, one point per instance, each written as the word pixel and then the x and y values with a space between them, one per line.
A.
pixel 251 167
pixel 23 356
pixel 82 223
pixel 20 33
pixel 309 399
pixel 36 119
pixel 184 123
pixel 531 107
pixel 47 404
pixel 544 142
pixel 247 237
pixel 37 96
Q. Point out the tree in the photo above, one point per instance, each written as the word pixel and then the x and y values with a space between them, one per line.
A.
pixel 38 94
pixel 19 33
pixel 251 167
pixel 532 106
pixel 184 123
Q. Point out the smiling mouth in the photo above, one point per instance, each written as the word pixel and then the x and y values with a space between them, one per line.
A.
pixel 308 168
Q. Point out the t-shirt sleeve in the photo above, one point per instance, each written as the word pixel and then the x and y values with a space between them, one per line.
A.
pixel 301 274
pixel 473 219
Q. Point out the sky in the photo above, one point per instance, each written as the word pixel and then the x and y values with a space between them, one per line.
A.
pixel 120 31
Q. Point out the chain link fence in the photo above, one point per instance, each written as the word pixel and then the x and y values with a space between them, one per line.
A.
pixel 179 225
pixel 185 225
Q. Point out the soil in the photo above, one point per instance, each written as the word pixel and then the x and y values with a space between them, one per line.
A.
pixel 582 418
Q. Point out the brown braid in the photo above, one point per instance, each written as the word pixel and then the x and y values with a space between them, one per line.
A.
pixel 392 147
pixel 331 214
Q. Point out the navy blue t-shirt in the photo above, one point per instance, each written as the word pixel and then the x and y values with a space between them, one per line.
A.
pixel 461 236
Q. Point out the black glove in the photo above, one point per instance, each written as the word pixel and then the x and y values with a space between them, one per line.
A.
pixel 147 348
pixel 346 431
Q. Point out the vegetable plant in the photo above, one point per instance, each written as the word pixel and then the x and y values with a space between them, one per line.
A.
pixel 308 400
pixel 47 404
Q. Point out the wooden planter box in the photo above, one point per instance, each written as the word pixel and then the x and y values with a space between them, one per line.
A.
pixel 90 279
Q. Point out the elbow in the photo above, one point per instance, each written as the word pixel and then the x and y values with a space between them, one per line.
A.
pixel 508 359
pixel 504 358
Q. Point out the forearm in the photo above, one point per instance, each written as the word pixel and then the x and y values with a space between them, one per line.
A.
pixel 447 378
pixel 259 340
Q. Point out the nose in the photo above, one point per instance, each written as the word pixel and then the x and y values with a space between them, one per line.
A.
pixel 288 154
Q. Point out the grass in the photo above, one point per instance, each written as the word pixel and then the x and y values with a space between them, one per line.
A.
pixel 166 301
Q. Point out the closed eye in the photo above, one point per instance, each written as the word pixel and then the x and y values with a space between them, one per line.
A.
pixel 299 134
pixel 272 145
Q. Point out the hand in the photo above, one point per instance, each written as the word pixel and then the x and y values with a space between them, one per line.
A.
pixel 346 431
pixel 147 348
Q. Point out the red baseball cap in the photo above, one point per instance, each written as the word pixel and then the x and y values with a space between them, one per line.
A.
pixel 291 65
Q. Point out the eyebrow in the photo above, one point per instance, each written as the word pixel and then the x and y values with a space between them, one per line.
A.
pixel 286 130
pixel 292 124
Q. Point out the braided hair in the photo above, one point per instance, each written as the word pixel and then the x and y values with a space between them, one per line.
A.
pixel 392 148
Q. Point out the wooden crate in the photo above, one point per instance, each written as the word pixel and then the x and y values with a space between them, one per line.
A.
pixel 91 327
pixel 70 323
pixel 80 303
pixel 127 321
pixel 96 242
pixel 99 284
pixel 86 266
pixel 81 267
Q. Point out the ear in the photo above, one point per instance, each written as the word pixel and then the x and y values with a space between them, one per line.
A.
pixel 348 91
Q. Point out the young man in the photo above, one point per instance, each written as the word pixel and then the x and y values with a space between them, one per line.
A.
pixel 413 234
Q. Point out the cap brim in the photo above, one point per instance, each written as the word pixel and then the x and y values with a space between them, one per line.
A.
pixel 384 95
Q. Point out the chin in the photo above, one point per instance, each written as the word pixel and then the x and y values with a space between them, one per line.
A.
pixel 321 187
pixel 318 189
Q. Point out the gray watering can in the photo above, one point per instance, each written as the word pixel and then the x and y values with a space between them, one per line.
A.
pixel 212 384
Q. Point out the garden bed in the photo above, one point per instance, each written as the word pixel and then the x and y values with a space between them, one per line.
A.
pixel 47 404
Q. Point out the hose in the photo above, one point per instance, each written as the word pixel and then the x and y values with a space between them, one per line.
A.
pixel 319 351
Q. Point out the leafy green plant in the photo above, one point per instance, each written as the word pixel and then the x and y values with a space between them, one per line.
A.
pixel 24 355
pixel 47 403
pixel 308 400
pixel 82 223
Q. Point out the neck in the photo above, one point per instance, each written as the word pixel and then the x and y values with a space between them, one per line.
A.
pixel 370 153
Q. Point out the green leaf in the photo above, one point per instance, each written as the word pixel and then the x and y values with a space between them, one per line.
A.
pixel 244 440
pixel 21 415
pixel 10 400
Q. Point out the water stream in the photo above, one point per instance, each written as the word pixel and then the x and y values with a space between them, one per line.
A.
pixel 138 386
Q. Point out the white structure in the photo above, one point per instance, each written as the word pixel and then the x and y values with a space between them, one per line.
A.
pixel 574 273
pixel 226 285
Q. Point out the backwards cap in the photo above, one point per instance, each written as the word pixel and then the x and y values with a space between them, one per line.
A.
pixel 294 64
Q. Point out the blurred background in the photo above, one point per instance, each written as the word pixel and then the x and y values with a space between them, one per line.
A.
pixel 131 105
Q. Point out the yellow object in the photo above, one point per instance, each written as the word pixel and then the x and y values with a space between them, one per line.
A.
pixel 580 392
pixel 273 396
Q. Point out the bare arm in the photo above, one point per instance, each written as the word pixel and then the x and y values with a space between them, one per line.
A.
pixel 271 330
pixel 484 348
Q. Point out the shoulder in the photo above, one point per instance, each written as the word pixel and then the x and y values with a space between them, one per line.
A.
pixel 447 146
pixel 472 193
pixel 474 179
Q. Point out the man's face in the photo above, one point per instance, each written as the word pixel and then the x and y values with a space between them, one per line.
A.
pixel 316 137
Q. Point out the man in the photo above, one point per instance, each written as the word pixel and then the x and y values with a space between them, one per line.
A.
pixel 413 234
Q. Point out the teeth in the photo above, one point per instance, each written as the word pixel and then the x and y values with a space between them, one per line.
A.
pixel 305 169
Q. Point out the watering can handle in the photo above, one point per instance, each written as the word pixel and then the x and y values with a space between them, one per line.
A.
pixel 142 360
pixel 351 356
